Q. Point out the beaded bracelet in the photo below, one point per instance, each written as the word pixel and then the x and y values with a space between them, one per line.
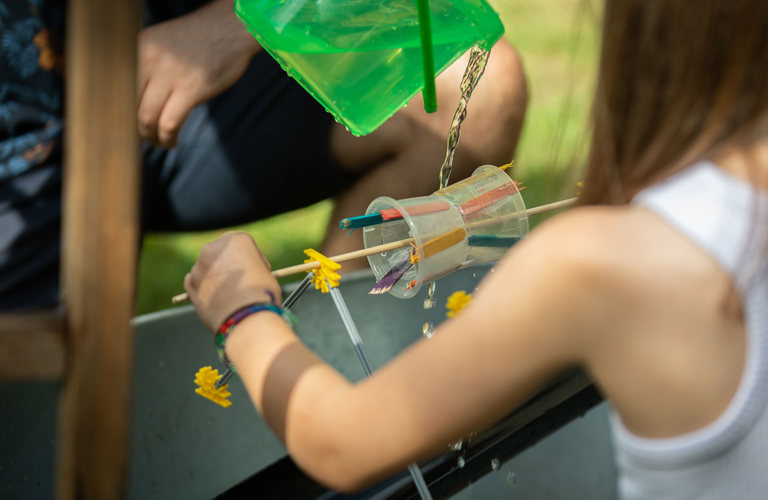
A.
pixel 226 328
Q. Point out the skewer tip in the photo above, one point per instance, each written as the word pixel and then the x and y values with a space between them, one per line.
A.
pixel 180 298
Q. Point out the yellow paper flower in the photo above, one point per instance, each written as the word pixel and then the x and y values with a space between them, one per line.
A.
pixel 508 165
pixel 205 380
pixel 456 302
pixel 326 276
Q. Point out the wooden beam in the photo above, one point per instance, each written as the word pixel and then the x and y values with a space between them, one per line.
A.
pixel 32 345
pixel 99 247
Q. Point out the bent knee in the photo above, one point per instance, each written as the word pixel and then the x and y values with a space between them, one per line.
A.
pixel 489 133
pixel 505 76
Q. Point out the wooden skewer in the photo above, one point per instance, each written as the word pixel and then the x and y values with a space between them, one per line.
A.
pixel 287 271
pixel 549 207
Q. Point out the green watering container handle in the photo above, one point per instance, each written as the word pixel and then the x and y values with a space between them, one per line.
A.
pixel 427 57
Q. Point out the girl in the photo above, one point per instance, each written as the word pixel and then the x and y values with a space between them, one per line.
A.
pixel 656 286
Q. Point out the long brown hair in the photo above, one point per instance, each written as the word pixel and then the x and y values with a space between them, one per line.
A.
pixel 677 81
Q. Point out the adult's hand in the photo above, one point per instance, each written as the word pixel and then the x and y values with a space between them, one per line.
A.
pixel 186 61
pixel 230 273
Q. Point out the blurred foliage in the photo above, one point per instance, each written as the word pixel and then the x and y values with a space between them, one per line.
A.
pixel 558 42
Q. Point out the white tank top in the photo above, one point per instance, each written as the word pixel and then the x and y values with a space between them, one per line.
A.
pixel 727 459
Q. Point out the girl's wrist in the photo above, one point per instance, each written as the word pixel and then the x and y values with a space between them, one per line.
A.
pixel 229 325
pixel 253 337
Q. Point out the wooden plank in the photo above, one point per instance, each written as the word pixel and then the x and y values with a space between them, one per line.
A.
pixel 99 247
pixel 32 345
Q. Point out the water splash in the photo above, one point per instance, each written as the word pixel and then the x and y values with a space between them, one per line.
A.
pixel 478 59
pixel 427 329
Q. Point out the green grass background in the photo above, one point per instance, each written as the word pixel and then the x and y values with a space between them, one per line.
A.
pixel 558 42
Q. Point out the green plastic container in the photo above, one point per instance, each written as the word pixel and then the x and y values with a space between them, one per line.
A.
pixel 361 59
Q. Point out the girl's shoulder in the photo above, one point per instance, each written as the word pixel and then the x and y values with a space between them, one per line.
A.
pixel 618 265
pixel 598 240
pixel 616 243
pixel 576 268
pixel 649 310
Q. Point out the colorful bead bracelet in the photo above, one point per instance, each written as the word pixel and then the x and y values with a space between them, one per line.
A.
pixel 226 328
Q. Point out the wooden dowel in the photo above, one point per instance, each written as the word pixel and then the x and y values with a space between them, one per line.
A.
pixel 549 207
pixel 287 271
pixel 530 211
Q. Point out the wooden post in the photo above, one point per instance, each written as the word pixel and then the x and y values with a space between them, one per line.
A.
pixel 99 247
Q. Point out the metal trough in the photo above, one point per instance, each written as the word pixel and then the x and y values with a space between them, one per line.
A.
pixel 184 446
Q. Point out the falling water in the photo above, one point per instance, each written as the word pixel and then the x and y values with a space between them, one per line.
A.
pixel 478 58
pixel 429 302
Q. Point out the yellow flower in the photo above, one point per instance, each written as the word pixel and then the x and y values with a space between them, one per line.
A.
pixel 456 302
pixel 206 379
pixel 325 276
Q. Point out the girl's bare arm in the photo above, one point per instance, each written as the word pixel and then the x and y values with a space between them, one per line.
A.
pixel 521 329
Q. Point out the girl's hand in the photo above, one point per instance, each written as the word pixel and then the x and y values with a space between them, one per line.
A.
pixel 230 273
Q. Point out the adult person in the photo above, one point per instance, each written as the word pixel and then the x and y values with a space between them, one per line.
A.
pixel 228 137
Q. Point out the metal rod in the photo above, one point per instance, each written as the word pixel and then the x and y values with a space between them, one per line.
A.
pixel 307 266
pixel 298 291
pixel 349 324
pixel 224 378
pixel 357 341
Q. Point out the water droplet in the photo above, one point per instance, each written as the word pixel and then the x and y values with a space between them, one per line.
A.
pixel 461 462
pixel 456 445
pixel 495 463
pixel 427 329
pixel 429 303
pixel 511 478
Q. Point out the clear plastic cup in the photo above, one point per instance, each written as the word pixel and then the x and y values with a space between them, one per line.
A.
pixel 473 221
pixel 362 59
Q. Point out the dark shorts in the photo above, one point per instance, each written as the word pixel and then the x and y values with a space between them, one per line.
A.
pixel 258 149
